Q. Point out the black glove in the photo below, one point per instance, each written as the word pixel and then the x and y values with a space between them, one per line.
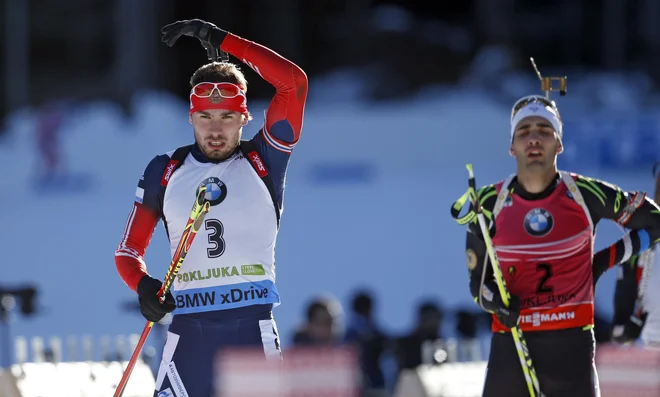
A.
pixel 508 316
pixel 492 302
pixel 207 33
pixel 150 305
pixel 630 331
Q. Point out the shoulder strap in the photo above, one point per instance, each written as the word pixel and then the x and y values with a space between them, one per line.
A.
pixel 249 150
pixel 175 162
pixel 501 197
pixel 577 195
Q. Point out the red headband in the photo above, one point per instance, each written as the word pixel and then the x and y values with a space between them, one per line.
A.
pixel 226 96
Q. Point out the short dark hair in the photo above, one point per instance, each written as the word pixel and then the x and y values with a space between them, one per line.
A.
pixel 219 72
pixel 362 303
pixel 428 307
pixel 317 305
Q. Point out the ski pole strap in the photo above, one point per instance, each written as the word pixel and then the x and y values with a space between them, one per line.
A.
pixel 471 215
pixel 456 210
pixel 471 194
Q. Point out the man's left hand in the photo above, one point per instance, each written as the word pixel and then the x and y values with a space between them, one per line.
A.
pixel 207 33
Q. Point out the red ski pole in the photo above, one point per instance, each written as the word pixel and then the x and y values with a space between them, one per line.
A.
pixel 199 211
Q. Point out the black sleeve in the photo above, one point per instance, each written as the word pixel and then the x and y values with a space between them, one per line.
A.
pixel 476 252
pixel 608 201
pixel 623 250
pixel 625 291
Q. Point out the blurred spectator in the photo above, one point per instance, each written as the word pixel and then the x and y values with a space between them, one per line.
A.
pixel 363 332
pixel 52 173
pixel 408 349
pixel 49 120
pixel 321 326
pixel 467 329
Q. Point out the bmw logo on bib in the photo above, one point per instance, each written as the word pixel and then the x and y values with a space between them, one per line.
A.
pixel 538 222
pixel 216 190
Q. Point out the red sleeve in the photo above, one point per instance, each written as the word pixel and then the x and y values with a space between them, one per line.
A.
pixel 129 256
pixel 290 82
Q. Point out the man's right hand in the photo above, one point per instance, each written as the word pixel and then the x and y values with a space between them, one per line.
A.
pixel 508 316
pixel 150 305
pixel 492 302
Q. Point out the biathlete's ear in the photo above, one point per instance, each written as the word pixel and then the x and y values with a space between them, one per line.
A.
pixel 190 118
pixel 560 148
pixel 512 153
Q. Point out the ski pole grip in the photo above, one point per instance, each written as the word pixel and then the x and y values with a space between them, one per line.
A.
pixel 472 185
